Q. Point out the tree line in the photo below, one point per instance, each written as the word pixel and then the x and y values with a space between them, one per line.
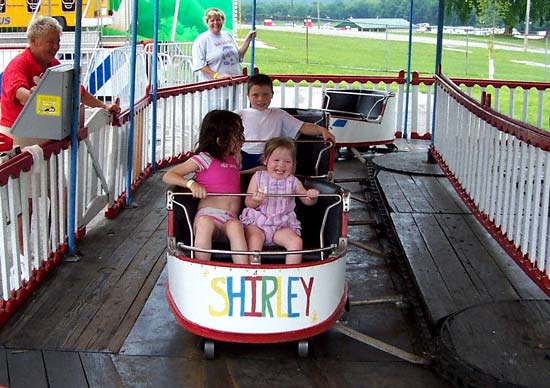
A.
pixel 490 13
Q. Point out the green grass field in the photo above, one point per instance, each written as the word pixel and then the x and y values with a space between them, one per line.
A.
pixel 280 52
pixel 296 53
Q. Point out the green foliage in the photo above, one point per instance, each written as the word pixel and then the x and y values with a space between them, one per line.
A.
pixel 509 13
pixel 337 10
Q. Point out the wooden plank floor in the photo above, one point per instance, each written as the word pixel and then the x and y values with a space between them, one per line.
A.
pixel 103 321
pixel 91 304
pixel 455 262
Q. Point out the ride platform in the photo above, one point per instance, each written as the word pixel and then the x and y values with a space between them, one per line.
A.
pixel 102 319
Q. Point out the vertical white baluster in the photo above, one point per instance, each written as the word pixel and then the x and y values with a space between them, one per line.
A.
pixel 535 214
pixel 525 105
pixel 528 201
pixel 544 258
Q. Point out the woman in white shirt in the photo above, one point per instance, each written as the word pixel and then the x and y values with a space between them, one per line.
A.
pixel 216 55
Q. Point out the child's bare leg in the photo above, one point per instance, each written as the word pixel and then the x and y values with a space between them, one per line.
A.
pixel 288 239
pixel 255 238
pixel 204 230
pixel 235 233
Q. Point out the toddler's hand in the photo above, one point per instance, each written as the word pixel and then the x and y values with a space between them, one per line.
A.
pixel 312 193
pixel 259 195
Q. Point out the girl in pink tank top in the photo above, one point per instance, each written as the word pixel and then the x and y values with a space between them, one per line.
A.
pixel 215 166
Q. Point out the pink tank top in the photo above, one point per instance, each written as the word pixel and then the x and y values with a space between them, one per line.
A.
pixel 218 176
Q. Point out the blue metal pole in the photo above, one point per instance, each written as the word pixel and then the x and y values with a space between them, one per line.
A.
pixel 408 83
pixel 154 80
pixel 438 56
pixel 74 129
pixel 131 110
pixel 253 43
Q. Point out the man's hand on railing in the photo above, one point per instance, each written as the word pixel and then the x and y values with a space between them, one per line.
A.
pixel 113 108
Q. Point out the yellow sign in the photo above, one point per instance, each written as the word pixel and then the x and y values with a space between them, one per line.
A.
pixel 48 105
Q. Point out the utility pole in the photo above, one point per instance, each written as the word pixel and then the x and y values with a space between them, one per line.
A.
pixel 526 39
pixel 292 11
pixel 318 14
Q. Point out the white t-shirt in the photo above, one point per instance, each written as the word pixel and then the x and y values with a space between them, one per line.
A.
pixel 266 124
pixel 219 52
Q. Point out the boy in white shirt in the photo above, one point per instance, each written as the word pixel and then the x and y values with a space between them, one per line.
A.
pixel 262 123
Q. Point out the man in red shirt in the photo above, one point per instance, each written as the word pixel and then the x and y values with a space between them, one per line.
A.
pixel 21 77
pixel 24 71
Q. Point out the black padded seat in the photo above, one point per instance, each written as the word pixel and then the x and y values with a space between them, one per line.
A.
pixel 311 218
pixel 312 157
pixel 316 116
pixel 366 104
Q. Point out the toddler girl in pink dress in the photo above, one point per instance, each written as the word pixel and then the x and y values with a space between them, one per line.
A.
pixel 269 219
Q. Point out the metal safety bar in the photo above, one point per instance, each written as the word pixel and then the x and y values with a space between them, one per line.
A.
pixel 332 247
pixel 365 117
pixel 322 249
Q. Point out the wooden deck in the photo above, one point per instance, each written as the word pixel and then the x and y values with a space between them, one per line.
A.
pixel 456 265
pixel 455 262
pixel 103 321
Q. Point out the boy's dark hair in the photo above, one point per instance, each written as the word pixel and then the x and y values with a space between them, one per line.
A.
pixel 260 80
pixel 219 129
pixel 280 142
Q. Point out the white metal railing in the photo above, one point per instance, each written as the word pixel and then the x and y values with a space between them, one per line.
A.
pixel 180 111
pixel 528 102
pixel 503 166
pixel 117 81
pixel 174 63
pixel 307 92
pixel 34 211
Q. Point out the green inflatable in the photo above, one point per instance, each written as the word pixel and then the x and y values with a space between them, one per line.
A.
pixel 189 17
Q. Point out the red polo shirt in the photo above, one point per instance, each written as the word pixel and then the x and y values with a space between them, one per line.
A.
pixel 19 73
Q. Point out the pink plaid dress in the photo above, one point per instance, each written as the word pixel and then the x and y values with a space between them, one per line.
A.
pixel 274 213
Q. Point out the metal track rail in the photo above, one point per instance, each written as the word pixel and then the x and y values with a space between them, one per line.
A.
pixel 394 255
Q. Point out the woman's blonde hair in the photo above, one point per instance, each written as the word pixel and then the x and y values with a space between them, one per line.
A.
pixel 280 142
pixel 214 13
pixel 42 25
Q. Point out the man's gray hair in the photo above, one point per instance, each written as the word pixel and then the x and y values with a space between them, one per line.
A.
pixel 42 25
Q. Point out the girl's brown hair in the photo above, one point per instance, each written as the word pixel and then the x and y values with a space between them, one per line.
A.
pixel 219 130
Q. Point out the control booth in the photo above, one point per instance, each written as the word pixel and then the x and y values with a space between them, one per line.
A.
pixel 48 112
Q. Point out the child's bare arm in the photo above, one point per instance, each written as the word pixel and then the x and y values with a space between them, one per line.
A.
pixel 312 194
pixel 314 129
pixel 177 176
